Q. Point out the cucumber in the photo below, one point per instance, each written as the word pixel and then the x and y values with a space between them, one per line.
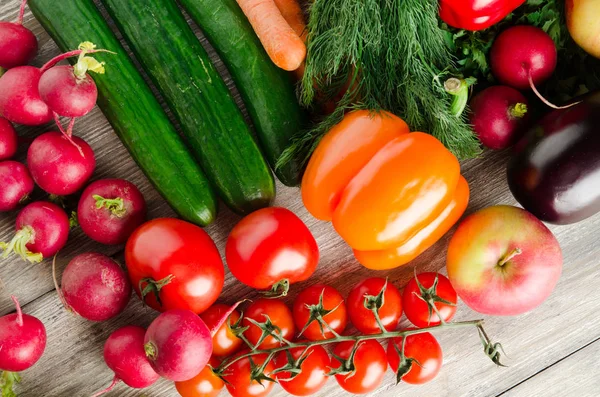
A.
pixel 210 120
pixel 267 91
pixel 128 104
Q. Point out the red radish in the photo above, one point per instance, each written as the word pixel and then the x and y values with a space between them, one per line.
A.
pixel 179 344
pixel 524 57
pixel 124 354
pixel 20 101
pixel 8 139
pixel 18 45
pixel 110 210
pixel 15 185
pixel 68 90
pixel 42 230
pixel 521 52
pixel 59 167
pixel 95 287
pixel 22 343
pixel 499 114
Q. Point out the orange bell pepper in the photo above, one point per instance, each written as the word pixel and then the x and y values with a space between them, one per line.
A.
pixel 389 192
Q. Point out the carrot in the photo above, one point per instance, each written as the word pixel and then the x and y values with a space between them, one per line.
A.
pixel 284 46
pixel 292 13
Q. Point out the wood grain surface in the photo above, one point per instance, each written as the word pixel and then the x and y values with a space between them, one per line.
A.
pixel 552 351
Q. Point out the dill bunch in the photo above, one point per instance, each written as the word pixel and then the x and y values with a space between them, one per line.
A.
pixel 382 55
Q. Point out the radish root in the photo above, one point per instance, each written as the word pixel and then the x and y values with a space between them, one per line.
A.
pixel 115 381
pixel 546 102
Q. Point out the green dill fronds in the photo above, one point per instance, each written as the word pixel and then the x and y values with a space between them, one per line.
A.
pixel 380 55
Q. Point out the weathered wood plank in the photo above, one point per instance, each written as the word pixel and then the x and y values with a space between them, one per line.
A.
pixel 576 375
pixel 73 366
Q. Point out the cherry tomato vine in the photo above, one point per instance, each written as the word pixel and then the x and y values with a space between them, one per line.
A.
pixel 261 368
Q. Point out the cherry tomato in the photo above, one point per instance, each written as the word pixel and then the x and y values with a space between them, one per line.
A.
pixel 370 364
pixel 225 343
pixel 417 310
pixel 279 314
pixel 176 264
pixel 423 348
pixel 314 369
pixel 332 300
pixel 238 377
pixel 205 384
pixel 363 318
pixel 271 245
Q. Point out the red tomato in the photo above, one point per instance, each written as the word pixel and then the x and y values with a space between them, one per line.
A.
pixel 417 310
pixel 363 318
pixel 225 343
pixel 180 255
pixel 370 364
pixel 271 245
pixel 314 368
pixel 332 300
pixel 423 348
pixel 238 377
pixel 279 314
pixel 205 384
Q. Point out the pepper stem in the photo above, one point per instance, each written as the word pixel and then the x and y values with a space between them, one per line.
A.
pixel 18 245
pixel 2 71
pixel 518 110
pixel 459 89
pixel 509 256
pixel 116 206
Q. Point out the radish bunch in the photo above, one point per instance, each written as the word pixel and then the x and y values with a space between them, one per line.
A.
pixel 177 346
pixel 23 340
pixel 34 96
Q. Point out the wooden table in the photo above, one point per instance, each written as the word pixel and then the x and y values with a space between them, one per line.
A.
pixel 552 351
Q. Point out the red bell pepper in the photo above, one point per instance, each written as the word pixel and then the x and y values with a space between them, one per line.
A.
pixel 476 14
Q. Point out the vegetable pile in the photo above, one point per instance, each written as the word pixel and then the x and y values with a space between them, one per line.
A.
pixel 458 74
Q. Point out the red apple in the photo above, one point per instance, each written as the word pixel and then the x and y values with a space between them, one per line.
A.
pixel 503 261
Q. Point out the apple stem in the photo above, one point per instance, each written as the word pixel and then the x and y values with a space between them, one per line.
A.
pixel 509 256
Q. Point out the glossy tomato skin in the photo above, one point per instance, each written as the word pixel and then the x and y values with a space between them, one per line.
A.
pixel 238 377
pixel 313 377
pixel 332 299
pixel 270 245
pixel 363 318
pixel 425 349
pixel 416 309
pixel 280 315
pixel 225 343
pixel 169 247
pixel 205 384
pixel 370 363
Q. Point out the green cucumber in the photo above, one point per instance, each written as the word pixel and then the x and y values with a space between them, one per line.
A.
pixel 267 91
pixel 134 113
pixel 210 120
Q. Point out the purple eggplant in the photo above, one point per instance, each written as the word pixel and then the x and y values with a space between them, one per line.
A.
pixel 555 171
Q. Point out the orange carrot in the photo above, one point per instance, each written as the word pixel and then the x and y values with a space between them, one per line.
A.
pixel 292 13
pixel 284 46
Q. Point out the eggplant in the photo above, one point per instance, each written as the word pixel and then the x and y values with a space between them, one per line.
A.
pixel 555 170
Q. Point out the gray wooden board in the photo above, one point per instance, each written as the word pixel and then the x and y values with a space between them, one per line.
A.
pixel 568 322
